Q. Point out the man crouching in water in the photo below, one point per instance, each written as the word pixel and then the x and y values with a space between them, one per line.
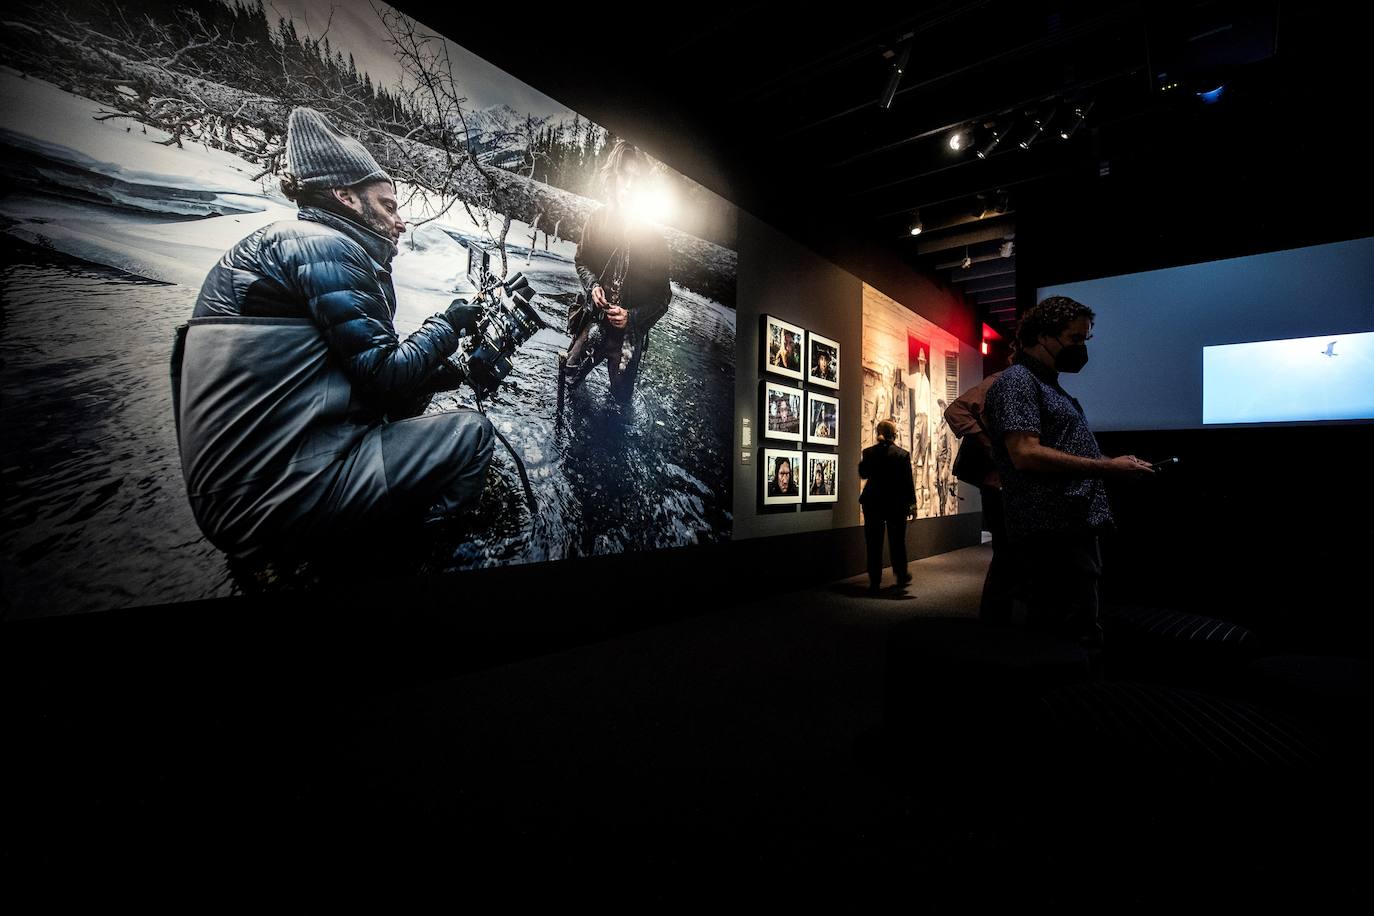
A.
pixel 299 409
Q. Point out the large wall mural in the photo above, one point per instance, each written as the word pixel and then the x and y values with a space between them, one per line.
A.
pixel 143 139
pixel 911 374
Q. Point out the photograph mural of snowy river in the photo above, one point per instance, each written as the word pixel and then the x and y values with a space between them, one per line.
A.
pixel 135 155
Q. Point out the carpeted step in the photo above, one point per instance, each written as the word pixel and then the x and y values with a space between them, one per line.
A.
pixel 1157 728
pixel 1160 644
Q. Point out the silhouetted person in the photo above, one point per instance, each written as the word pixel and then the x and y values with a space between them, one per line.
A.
pixel 1052 469
pixel 889 501
pixel 974 465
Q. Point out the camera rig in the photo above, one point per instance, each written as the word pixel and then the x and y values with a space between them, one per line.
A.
pixel 508 321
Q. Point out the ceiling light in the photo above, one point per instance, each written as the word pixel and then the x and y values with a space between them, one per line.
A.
pixel 968 261
pixel 895 77
pixel 997 134
pixel 1006 249
pixel 916 224
pixel 1080 112
pixel 1038 124
pixel 960 139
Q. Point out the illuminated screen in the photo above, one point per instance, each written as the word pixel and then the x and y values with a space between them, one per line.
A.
pixel 1306 378
pixel 1234 341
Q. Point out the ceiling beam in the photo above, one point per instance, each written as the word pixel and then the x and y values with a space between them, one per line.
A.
pixel 990 285
pixel 992 229
pixel 994 268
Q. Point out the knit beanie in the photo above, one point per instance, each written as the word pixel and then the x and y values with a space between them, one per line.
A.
pixel 321 156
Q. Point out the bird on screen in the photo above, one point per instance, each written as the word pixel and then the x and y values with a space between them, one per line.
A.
pixel 1330 350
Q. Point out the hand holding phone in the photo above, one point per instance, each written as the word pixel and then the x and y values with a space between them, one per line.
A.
pixel 1165 465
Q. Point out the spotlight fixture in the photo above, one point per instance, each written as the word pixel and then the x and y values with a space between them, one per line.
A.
pixel 1080 112
pixel 895 77
pixel 916 224
pixel 1039 122
pixel 1006 249
pixel 960 139
pixel 968 261
pixel 998 133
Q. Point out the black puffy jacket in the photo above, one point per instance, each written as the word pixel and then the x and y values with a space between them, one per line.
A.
pixel 337 273
pixel 289 359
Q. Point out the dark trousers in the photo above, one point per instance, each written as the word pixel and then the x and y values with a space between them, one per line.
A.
pixel 1003 580
pixel 896 540
pixel 1062 575
pixel 600 341
pixel 432 465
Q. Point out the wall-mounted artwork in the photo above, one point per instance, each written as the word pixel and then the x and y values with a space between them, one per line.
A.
pixel 822 419
pixel 148 138
pixel 781 470
pixel 822 477
pixel 782 412
pixel 782 347
pixel 910 374
pixel 822 361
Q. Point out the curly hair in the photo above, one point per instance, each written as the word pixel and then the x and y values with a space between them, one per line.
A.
pixel 1049 318
pixel 291 189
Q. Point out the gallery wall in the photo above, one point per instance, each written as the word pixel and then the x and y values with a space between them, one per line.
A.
pixel 119 214
pixel 118 209
pixel 781 278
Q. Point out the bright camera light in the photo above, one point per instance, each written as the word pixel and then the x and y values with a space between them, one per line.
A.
pixel 653 203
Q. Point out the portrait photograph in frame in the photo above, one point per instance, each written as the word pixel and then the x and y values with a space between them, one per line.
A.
pixel 822 361
pixel 783 348
pixel 782 412
pixel 822 419
pixel 781 468
pixel 822 481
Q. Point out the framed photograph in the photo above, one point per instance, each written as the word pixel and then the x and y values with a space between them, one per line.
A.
pixel 782 412
pixel 822 361
pixel 782 347
pixel 781 468
pixel 822 481
pixel 822 419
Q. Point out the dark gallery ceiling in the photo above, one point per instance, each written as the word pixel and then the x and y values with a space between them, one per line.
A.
pixel 1087 122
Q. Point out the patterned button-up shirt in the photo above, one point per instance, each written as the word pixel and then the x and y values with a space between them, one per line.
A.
pixel 1027 398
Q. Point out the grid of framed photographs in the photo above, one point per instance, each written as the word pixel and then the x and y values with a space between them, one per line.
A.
pixel 793 414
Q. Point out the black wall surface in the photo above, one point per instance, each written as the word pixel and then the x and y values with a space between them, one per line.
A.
pixel 1271 528
pixel 1267 526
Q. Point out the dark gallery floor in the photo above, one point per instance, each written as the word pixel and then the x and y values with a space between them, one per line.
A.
pixel 819 745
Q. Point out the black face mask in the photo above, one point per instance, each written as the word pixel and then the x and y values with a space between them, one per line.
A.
pixel 1071 357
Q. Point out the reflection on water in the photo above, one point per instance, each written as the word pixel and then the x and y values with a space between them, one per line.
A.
pixel 93 511
pixel 607 481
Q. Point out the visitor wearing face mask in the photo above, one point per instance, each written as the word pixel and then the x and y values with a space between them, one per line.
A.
pixel 1052 469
